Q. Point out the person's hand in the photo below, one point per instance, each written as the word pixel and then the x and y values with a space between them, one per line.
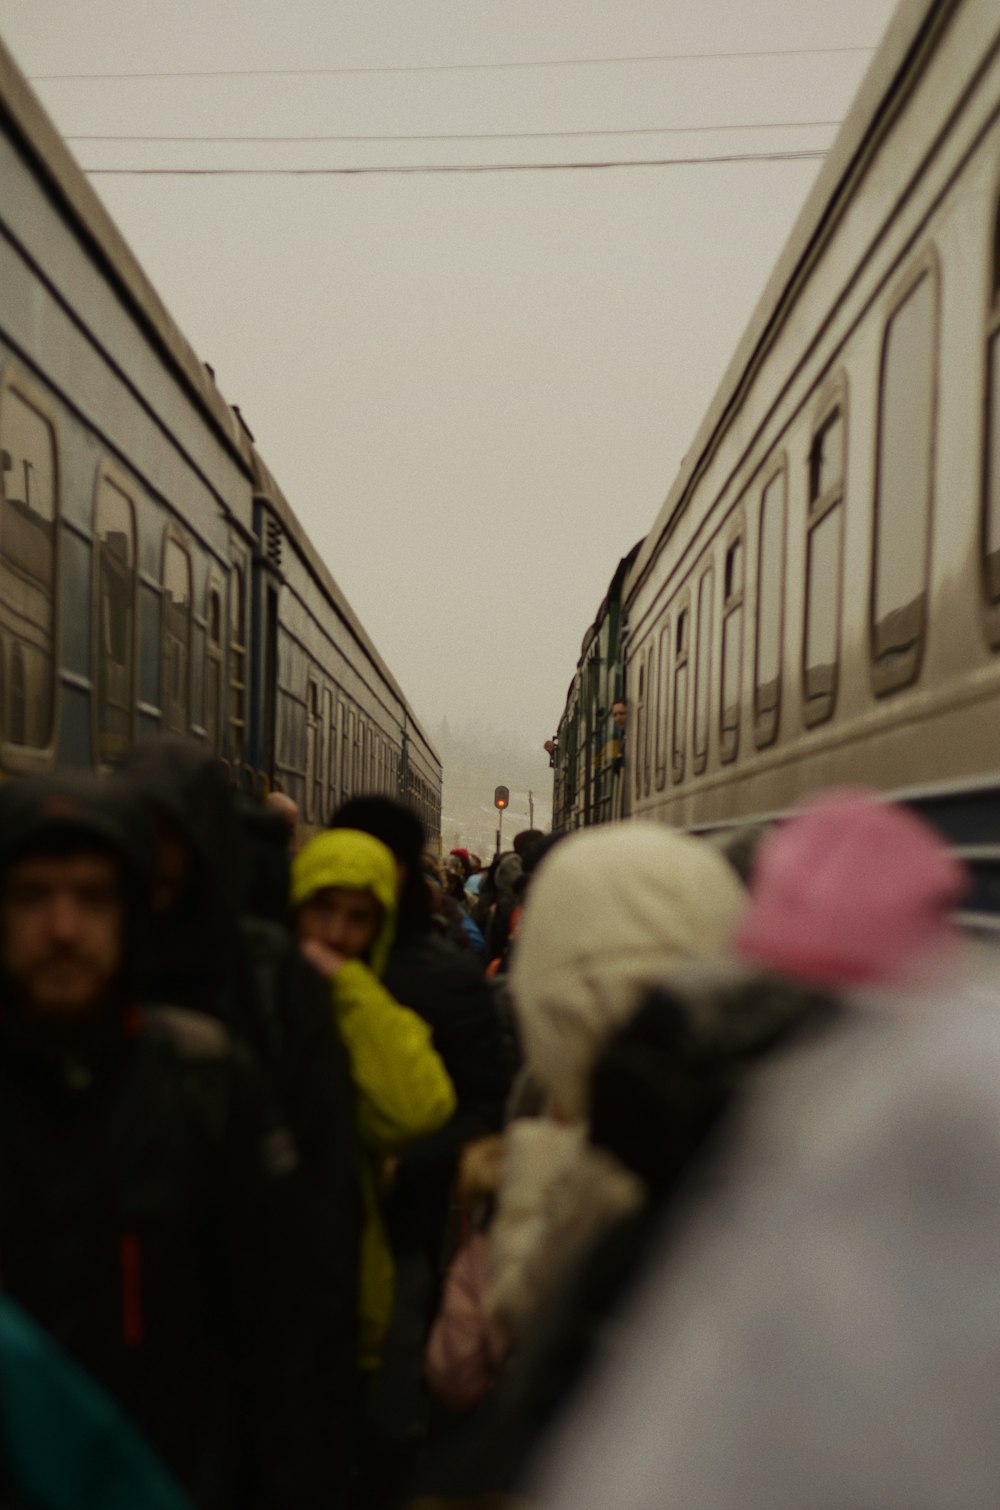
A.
pixel 323 959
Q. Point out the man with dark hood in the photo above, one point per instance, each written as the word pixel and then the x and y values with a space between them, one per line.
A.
pixel 219 944
pixel 194 956
pixel 147 1216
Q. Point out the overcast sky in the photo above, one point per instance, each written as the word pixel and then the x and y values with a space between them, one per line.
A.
pixel 475 389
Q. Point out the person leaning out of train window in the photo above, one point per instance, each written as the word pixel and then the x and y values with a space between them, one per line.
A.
pixel 343 899
pixel 149 1215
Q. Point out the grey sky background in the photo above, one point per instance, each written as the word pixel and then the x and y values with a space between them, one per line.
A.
pixel 475 389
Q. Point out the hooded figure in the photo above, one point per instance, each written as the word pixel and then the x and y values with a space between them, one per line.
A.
pixel 827 1329
pixel 446 988
pixel 612 912
pixel 662 1094
pixel 441 982
pixel 195 955
pixel 150 1219
pixel 403 1090
pixel 75 812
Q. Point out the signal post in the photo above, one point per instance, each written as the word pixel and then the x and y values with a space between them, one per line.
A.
pixel 501 799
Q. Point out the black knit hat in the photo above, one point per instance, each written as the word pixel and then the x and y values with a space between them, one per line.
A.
pixel 400 830
pixel 73 811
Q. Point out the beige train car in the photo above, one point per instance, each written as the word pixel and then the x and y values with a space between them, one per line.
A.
pixel 818 602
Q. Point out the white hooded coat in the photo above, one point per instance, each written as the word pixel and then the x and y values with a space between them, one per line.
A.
pixel 827 1333
pixel 612 912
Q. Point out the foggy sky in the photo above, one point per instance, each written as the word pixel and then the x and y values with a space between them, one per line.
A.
pixel 474 389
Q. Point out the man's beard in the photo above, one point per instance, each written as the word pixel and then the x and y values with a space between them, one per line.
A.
pixel 60 1024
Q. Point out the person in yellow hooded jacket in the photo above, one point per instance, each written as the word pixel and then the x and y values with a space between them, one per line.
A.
pixel 343 896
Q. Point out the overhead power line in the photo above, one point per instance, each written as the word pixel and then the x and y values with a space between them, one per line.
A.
pixel 271 73
pixel 465 136
pixel 352 172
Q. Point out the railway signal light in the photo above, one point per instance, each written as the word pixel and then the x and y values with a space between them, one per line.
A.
pixel 501 798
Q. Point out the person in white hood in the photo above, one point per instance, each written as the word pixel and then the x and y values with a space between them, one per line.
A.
pixel 612 912
pixel 825 1331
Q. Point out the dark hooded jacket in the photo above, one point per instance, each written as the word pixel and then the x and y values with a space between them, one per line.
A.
pixel 225 952
pixel 195 958
pixel 149 1218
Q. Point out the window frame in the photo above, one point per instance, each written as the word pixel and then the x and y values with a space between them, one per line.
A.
pixel 340 743
pixel 662 743
pixel 766 721
pixel 215 654
pixel 904 668
pixel 326 738
pixel 173 535
pixel 237 742
pixel 355 723
pixel 818 702
pixel 990 562
pixel 733 602
pixel 107 473
pixel 703 665
pixel 681 661
pixel 640 725
pixel 23 758
pixel 311 775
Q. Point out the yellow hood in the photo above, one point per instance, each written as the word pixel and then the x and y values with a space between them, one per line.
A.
pixel 351 861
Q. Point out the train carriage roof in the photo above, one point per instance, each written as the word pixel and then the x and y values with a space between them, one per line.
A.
pixel 26 120
pixel 898 62
pixel 267 489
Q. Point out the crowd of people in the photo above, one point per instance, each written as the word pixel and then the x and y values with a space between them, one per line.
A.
pixel 631 1169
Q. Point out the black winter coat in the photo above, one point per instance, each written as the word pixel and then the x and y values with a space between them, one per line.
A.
pixel 149 1221
pixel 448 990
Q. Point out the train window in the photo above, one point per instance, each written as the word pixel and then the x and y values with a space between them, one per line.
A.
pixel 175 668
pixel 237 664
pixel 336 724
pixel 903 487
pixel 114 620
pixel 679 725
pixel 732 650
pixel 313 767
pixel 662 707
pixel 339 754
pixel 650 731
pixel 355 753
pixel 991 503
pixel 324 785
pixel 770 611
pixel 703 670
pixel 824 546
pixel 346 744
pixel 640 725
pixel 28 566
pixel 213 661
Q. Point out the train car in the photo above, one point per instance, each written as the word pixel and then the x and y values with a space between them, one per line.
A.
pixel 152 576
pixel 818 602
pixel 588 757
pixel 332 720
